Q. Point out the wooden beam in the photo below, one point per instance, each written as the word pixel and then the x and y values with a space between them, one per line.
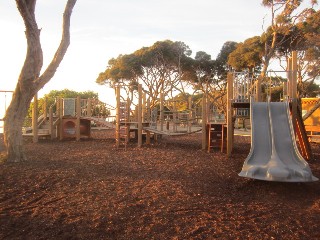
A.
pixel 229 114
pixel 294 91
pixel 204 122
pixel 161 111
pixel 117 116
pixel 140 116
pixel 78 114
pixel 45 112
pixel 51 123
pixel 35 118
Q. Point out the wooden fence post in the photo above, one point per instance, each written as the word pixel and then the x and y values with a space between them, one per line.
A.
pixel 204 122
pixel 117 116
pixel 161 111
pixel 140 116
pixel 78 114
pixel 35 118
pixel 229 114
pixel 294 90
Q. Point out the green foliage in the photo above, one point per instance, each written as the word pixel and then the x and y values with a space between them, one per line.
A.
pixel 158 68
pixel 247 55
pixel 227 48
pixel 51 97
pixel 128 68
pixel 310 90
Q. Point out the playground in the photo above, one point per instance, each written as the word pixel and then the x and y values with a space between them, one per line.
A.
pixel 159 171
pixel 170 189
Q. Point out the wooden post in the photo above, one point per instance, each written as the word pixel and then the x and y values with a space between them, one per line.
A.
pixel 289 76
pixel 45 113
pixel 35 118
pixel 258 89
pixel 144 103
pixel 175 117
pixel 58 116
pixel 148 138
pixel 89 106
pixel 190 113
pixel 230 114
pixel 78 114
pixel 294 90
pixel 127 120
pixel 51 122
pixel 285 89
pixel 161 111
pixel 294 74
pixel 140 116
pixel 61 116
pixel 117 116
pixel 204 121
pixel 148 110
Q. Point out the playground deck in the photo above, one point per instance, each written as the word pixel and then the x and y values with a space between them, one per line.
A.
pixel 170 190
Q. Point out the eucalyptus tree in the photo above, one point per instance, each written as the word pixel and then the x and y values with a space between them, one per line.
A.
pixel 247 55
pixel 158 68
pixel 284 14
pixel 304 37
pixel 31 80
pixel 209 75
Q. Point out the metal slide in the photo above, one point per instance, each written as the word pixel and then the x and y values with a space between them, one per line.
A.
pixel 274 155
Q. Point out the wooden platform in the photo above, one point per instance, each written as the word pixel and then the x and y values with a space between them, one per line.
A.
pixel 180 131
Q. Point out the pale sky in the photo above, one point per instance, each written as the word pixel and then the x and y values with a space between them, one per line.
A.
pixel 103 29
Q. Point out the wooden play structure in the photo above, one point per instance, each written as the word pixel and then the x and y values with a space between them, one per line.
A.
pixel 241 86
pixel 136 118
pixel 312 123
pixel 67 118
pixel 218 133
pixel 141 119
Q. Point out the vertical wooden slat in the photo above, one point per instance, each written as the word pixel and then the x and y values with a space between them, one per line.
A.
pixel 35 118
pixel 51 123
pixel 117 116
pixel 78 114
pixel 161 111
pixel 204 122
pixel 294 90
pixel 229 114
pixel 140 116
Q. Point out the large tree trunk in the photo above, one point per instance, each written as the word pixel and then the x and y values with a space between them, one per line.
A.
pixel 29 81
pixel 13 123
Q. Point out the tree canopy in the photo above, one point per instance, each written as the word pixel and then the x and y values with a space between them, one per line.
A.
pixel 247 55
pixel 158 68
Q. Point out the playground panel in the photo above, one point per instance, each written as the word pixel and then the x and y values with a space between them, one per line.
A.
pixel 312 123
pixel 307 105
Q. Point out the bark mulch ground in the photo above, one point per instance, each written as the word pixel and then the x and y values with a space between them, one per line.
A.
pixel 168 190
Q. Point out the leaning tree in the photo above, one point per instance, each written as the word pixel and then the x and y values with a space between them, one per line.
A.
pixel 284 14
pixel 30 80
